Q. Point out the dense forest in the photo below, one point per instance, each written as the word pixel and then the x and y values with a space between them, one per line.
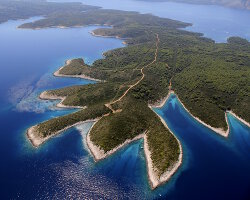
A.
pixel 13 9
pixel 209 78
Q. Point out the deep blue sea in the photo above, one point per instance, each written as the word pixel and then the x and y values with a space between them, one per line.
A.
pixel 213 167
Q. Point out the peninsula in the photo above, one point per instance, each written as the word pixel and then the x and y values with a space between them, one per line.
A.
pixel 209 79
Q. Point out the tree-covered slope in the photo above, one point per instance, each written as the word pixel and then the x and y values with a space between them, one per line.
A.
pixel 208 77
pixel 14 9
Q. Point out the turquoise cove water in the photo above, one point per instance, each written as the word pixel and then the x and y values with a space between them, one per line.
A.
pixel 213 165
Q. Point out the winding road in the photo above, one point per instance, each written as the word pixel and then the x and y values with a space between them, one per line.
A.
pixel 109 105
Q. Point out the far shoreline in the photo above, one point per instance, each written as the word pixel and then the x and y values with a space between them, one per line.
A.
pixel 107 36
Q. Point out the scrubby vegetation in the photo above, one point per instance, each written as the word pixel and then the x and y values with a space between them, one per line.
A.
pixel 52 126
pixel 88 95
pixel 209 78
pixel 136 118
pixel 75 67
pixel 217 80
pixel 13 9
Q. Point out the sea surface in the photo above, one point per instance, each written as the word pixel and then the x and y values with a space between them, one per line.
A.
pixel 213 167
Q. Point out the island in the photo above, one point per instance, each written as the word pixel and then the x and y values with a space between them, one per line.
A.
pixel 160 58
pixel 24 9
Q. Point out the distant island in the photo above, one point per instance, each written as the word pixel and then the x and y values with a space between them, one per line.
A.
pixel 24 9
pixel 160 59
pixel 241 4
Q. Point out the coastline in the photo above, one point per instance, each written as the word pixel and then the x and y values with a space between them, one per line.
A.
pixel 219 131
pixel 154 180
pixel 36 141
pixel 161 103
pixel 45 96
pixel 239 118
pixel 106 36
pixel 99 154
pixel 58 74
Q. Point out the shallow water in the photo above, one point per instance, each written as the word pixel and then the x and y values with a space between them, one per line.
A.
pixel 213 167
pixel 28 59
pixel 214 22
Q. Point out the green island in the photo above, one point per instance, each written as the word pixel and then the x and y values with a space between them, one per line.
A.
pixel 160 57
pixel 24 9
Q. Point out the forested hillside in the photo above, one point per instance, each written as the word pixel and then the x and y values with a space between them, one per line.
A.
pixel 13 9
pixel 209 78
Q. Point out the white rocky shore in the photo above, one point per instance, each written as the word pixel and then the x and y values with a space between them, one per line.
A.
pixel 45 96
pixel 83 76
pixel 154 179
pixel 36 141
pixel 239 118
pixel 220 131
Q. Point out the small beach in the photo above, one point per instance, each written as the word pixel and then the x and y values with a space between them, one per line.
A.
pixel 58 74
pixel 45 96
pixel 239 118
